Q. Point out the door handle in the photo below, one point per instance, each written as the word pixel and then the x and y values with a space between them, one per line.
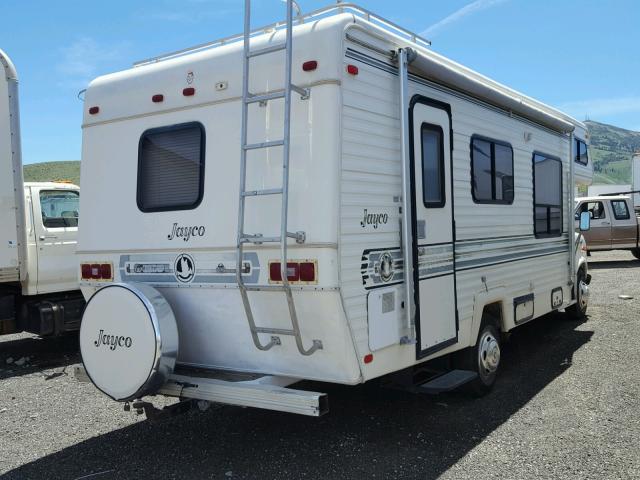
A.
pixel 44 237
pixel 606 223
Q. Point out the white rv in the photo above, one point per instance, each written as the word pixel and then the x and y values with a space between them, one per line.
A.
pixel 38 272
pixel 325 198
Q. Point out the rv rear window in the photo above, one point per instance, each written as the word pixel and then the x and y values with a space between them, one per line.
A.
pixel 491 171
pixel 547 195
pixel 582 155
pixel 171 168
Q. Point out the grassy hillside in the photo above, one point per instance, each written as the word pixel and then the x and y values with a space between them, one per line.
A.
pixel 51 171
pixel 611 150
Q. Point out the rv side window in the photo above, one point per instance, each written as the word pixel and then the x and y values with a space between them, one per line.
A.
pixel 171 168
pixel 582 156
pixel 491 171
pixel 59 208
pixel 620 210
pixel 547 195
pixel 432 166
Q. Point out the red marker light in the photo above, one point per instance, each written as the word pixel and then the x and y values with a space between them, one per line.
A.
pixel 94 110
pixel 352 70
pixel 157 98
pixel 309 66
pixel 189 92
pixel 368 358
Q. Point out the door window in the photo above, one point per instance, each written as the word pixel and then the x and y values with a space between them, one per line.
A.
pixel 432 166
pixel 60 208
pixel 620 210
pixel 596 210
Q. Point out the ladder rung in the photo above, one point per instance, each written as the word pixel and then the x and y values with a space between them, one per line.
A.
pixel 275 331
pixel 254 146
pixel 263 51
pixel 268 191
pixel 259 239
pixel 265 97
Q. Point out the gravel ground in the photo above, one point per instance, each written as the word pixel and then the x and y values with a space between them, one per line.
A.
pixel 566 405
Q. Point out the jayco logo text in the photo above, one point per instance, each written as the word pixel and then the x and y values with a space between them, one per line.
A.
pixel 186 232
pixel 112 341
pixel 374 219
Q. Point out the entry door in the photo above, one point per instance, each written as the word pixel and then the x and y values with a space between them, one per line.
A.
pixel 598 236
pixel 55 219
pixel 433 236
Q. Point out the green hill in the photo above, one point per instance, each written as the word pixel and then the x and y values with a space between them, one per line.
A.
pixel 611 151
pixel 51 171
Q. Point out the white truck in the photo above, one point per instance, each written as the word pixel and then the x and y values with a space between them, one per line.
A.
pixel 38 278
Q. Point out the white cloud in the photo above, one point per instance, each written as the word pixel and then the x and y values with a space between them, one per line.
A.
pixel 84 59
pixel 601 107
pixel 469 9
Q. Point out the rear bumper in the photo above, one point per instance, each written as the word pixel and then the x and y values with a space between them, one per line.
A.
pixel 265 391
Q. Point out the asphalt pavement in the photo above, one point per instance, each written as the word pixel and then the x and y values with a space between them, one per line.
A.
pixel 566 405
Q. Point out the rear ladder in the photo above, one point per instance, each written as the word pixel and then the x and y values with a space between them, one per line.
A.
pixel 257 238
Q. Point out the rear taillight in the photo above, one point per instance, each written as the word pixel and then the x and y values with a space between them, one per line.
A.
pixel 298 271
pixel 275 272
pixel 307 271
pixel 86 271
pixel 96 271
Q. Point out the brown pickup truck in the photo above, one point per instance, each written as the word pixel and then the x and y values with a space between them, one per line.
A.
pixel 614 224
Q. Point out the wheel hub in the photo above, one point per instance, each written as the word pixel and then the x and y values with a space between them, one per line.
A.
pixel 584 294
pixel 489 353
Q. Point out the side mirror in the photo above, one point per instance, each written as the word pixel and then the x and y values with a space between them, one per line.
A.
pixel 585 221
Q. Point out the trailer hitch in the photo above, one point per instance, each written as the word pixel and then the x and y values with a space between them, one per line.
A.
pixel 154 414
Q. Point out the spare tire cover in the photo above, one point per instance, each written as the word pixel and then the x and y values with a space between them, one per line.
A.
pixel 128 340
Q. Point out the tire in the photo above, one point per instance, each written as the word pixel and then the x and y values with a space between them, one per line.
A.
pixel 483 358
pixel 636 252
pixel 578 310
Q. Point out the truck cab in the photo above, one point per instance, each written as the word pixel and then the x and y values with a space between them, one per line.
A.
pixel 39 290
pixel 614 225
pixel 52 230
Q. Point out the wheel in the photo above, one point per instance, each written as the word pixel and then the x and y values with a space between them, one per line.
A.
pixel 578 310
pixel 483 358
pixel 636 252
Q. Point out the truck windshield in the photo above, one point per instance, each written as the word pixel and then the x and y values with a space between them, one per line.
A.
pixel 59 208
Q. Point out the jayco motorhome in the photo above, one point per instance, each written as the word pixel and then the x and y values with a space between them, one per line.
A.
pixel 324 198
pixel 39 289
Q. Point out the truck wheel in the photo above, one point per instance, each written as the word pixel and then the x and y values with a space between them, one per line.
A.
pixel 578 310
pixel 636 252
pixel 483 358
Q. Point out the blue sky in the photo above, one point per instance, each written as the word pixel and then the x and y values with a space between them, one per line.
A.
pixel 579 55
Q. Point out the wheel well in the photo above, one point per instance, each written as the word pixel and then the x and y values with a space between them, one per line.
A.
pixel 492 314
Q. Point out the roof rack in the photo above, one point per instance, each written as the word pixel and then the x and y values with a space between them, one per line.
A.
pixel 329 10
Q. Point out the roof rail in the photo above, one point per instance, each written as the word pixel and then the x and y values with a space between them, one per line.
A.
pixel 329 10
